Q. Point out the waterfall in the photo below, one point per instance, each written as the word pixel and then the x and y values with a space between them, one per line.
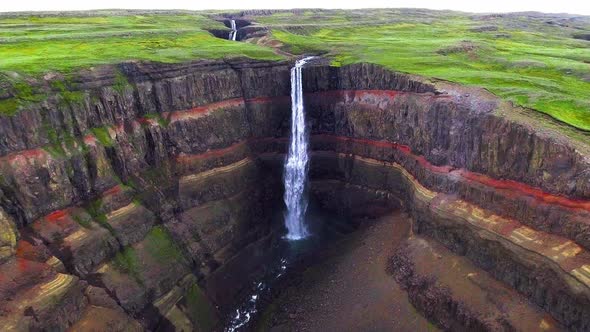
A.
pixel 234 31
pixel 295 177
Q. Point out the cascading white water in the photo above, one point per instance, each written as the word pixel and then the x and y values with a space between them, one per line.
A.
pixel 234 31
pixel 295 177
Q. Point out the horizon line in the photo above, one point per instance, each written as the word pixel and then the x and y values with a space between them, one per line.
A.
pixel 73 11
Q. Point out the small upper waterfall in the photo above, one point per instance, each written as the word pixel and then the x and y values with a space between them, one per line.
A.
pixel 234 31
pixel 295 177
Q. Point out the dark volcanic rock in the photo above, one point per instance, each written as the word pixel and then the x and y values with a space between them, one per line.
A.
pixel 435 302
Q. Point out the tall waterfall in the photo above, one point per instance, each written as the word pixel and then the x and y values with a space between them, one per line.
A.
pixel 295 177
pixel 234 31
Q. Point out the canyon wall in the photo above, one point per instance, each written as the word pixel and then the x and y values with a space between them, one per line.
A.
pixel 511 197
pixel 122 203
pixel 117 207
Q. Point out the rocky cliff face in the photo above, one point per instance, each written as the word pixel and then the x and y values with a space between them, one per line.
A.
pixel 128 197
pixel 121 203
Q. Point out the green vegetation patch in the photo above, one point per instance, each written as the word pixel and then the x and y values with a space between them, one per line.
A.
pixel 121 83
pixel 103 221
pixel 199 309
pixel 160 245
pixel 34 45
pixel 83 220
pixel 521 58
pixel 158 118
pixel 127 261
pixel 66 90
pixel 103 136
pixel 94 208
pixel 63 144
pixel 21 93
pixel 10 106
pixel 24 93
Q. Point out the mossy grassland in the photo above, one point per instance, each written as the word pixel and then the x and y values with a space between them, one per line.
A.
pixel 32 46
pixel 35 45
pixel 530 59
pixel 533 61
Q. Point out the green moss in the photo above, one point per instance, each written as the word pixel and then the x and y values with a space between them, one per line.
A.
pixel 62 144
pixel 158 117
pixel 24 91
pixel 127 261
pixel 84 222
pixel 94 208
pixel 336 63
pixel 121 83
pixel 9 106
pixel 66 90
pixel 160 245
pixel 103 221
pixel 103 136
pixel 55 151
pixel 131 183
pixel 199 309
pixel 23 94
pixel 51 133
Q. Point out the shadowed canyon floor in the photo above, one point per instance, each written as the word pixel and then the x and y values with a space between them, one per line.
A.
pixel 353 290
pixel 350 290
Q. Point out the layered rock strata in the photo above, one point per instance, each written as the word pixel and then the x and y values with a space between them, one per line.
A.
pixel 125 201
pixel 458 296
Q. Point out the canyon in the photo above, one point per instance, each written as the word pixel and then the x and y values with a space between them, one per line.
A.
pixel 123 209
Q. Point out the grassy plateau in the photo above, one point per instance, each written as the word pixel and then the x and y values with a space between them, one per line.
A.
pixel 531 59
pixel 35 45
pixel 539 61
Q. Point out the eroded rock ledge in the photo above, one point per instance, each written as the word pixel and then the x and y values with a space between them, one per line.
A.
pixel 125 202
